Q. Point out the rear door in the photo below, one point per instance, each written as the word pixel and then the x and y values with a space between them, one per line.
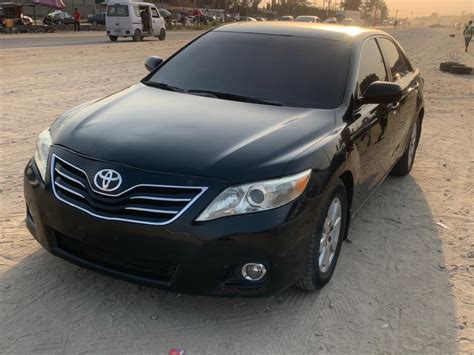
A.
pixel 400 72
pixel 118 18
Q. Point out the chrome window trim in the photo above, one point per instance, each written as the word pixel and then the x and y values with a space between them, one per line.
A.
pixel 54 157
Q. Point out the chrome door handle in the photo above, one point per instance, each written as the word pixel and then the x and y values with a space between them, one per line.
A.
pixel 394 106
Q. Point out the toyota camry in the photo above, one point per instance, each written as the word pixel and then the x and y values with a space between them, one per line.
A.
pixel 235 166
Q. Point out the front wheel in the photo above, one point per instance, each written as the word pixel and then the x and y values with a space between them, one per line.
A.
pixel 113 38
pixel 162 35
pixel 405 164
pixel 326 240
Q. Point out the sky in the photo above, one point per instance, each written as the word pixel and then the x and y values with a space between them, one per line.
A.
pixel 427 7
pixel 422 7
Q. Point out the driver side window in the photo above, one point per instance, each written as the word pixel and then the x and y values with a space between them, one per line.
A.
pixel 371 66
pixel 154 13
pixel 395 62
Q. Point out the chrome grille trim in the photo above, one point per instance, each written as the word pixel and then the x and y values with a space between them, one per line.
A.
pixel 57 187
pixel 68 177
pixel 160 199
pixel 150 210
pixel 69 190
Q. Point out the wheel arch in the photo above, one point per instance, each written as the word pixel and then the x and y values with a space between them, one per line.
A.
pixel 421 114
pixel 348 180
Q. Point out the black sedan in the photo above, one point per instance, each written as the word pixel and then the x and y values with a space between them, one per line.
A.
pixel 235 166
pixel 97 19
pixel 59 18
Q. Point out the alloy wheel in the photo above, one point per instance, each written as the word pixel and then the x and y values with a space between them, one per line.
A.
pixel 330 235
pixel 412 147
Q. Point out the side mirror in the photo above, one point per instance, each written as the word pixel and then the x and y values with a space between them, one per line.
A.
pixel 151 63
pixel 382 92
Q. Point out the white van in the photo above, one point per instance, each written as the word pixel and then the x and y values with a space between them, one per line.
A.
pixel 126 18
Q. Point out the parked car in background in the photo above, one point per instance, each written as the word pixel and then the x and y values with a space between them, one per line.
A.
pixel 97 19
pixel 246 19
pixel 199 184
pixel 261 19
pixel 313 19
pixel 331 20
pixel 347 21
pixel 287 18
pixel 166 14
pixel 59 18
pixel 27 21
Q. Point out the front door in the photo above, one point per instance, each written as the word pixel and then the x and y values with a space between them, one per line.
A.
pixel 401 73
pixel 156 22
pixel 369 129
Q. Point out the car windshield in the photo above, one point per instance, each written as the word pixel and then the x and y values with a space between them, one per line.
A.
pixel 287 70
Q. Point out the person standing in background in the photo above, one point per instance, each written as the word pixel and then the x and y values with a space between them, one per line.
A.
pixel 467 34
pixel 77 20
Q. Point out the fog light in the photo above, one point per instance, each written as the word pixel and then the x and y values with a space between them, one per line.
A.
pixel 253 271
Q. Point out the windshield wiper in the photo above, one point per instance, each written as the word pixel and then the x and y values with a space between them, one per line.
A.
pixel 235 97
pixel 163 86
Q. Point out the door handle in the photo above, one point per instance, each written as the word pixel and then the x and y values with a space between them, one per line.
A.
pixel 394 106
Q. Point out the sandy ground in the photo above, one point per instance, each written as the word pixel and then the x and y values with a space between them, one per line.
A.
pixel 60 39
pixel 403 284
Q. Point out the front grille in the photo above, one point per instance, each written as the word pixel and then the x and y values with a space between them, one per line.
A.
pixel 143 204
pixel 149 268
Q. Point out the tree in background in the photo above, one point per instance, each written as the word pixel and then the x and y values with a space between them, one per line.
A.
pixel 374 10
pixel 351 5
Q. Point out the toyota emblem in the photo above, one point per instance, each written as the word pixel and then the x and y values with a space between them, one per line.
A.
pixel 107 180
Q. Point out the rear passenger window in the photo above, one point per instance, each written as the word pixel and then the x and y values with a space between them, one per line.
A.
pixel 395 61
pixel 117 10
pixel 371 67
pixel 136 10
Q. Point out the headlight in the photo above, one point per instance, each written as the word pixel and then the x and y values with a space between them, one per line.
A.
pixel 255 197
pixel 43 146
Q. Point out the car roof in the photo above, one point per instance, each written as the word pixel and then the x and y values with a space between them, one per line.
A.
pixel 301 29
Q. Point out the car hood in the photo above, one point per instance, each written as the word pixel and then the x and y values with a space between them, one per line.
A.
pixel 174 133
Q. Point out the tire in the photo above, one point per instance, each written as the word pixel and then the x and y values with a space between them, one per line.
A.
pixel 162 35
pixel 113 38
pixel 446 66
pixel 461 70
pixel 318 273
pixel 405 163
pixel 137 35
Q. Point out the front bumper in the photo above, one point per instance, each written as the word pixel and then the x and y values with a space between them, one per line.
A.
pixel 183 256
